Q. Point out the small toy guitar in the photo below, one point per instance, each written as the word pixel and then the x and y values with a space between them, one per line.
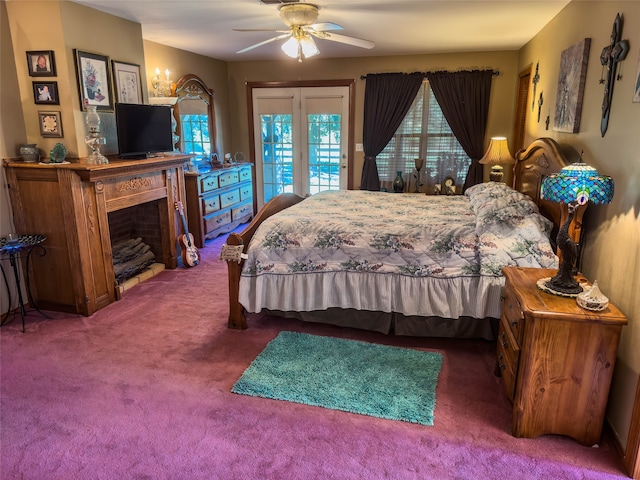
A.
pixel 190 254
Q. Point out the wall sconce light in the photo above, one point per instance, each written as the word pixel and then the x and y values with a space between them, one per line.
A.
pixel 160 85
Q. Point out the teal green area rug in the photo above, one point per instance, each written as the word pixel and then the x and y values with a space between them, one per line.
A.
pixel 369 379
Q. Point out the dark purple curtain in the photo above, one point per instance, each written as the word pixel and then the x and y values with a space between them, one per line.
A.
pixel 464 100
pixel 387 99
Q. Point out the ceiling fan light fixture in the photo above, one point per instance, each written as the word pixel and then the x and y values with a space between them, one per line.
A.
pixel 290 47
pixel 308 46
pixel 300 46
pixel 298 13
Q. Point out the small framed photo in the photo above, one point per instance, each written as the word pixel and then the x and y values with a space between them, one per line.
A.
pixel 41 63
pixel 50 124
pixel 94 80
pixel 45 93
pixel 127 82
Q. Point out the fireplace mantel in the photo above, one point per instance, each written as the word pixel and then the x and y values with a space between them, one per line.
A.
pixel 70 203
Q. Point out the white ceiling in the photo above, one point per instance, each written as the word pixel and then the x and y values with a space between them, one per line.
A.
pixel 398 27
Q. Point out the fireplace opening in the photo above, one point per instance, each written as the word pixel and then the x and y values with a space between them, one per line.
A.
pixel 136 241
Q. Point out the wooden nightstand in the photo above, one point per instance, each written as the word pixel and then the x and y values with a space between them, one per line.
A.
pixel 556 359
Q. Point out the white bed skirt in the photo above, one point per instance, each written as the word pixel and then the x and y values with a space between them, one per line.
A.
pixel 452 298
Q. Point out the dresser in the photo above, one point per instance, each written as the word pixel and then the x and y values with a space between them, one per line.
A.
pixel 556 359
pixel 218 201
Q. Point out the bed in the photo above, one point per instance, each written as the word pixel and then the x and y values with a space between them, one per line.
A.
pixel 409 264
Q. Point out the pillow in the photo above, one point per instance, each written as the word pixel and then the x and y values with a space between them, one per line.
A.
pixel 485 198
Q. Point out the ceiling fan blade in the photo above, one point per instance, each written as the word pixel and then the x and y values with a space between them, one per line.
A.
pixel 356 42
pixel 279 37
pixel 258 30
pixel 323 27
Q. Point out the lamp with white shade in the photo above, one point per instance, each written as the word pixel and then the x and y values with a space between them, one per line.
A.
pixel 497 155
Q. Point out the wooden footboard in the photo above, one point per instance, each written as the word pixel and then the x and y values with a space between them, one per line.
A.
pixel 237 318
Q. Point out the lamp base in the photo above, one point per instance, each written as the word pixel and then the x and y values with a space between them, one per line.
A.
pixel 496 174
pixel 546 285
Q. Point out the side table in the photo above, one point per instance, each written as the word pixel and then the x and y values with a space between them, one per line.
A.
pixel 556 359
pixel 15 249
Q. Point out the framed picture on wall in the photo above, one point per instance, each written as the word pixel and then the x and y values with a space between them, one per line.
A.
pixel 94 80
pixel 41 63
pixel 50 124
pixel 45 93
pixel 571 81
pixel 127 82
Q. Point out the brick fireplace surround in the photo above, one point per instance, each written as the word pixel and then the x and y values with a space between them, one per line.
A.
pixel 71 204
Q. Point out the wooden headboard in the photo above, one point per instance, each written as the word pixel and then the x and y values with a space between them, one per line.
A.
pixel 541 158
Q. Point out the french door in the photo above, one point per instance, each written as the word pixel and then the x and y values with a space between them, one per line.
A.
pixel 301 140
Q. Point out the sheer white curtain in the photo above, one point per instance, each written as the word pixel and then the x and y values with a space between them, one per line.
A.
pixel 425 134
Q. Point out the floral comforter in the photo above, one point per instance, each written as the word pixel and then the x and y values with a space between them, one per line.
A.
pixel 410 235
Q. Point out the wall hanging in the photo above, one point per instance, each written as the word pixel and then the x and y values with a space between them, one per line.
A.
pixel 571 80
pixel 41 63
pixel 611 55
pixel 94 80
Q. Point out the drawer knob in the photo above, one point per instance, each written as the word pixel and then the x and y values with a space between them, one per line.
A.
pixel 503 340
pixel 500 364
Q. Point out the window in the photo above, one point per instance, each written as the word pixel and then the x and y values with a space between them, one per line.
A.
pixel 424 133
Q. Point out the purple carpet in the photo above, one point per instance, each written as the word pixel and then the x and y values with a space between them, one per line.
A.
pixel 142 390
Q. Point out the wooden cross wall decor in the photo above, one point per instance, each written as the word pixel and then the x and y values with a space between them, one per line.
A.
pixel 536 79
pixel 611 55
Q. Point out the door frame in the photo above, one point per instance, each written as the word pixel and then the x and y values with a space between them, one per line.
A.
pixel 351 83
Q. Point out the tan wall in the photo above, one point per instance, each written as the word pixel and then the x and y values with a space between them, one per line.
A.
pixel 212 72
pixel 12 128
pixel 63 27
pixel 612 232
pixel 502 90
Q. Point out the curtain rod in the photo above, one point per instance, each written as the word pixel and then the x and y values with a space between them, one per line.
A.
pixel 495 73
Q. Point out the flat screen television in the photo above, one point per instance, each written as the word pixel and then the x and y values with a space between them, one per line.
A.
pixel 143 129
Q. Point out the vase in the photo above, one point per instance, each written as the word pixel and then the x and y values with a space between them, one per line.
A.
pixel 398 183
pixel 29 153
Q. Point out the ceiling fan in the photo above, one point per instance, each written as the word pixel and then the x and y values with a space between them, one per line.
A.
pixel 300 20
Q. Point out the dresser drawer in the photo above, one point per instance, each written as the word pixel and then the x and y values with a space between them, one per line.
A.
pixel 508 352
pixel 512 312
pixel 210 204
pixel 215 221
pixel 209 182
pixel 228 178
pixel 246 192
pixel 229 197
pixel 241 211
pixel 245 173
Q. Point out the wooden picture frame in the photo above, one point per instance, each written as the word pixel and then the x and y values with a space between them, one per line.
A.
pixel 50 124
pixel 127 82
pixel 45 93
pixel 41 63
pixel 571 82
pixel 94 80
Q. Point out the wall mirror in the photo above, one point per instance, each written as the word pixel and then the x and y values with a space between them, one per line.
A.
pixel 194 113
